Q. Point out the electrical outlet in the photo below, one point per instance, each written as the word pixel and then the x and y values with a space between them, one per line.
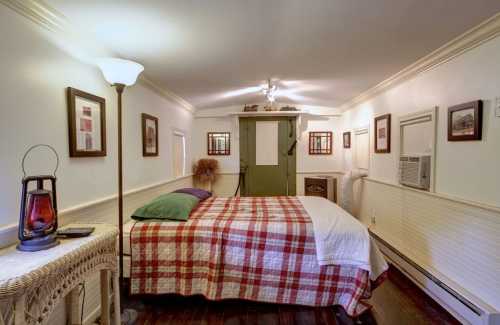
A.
pixel 373 219
pixel 497 107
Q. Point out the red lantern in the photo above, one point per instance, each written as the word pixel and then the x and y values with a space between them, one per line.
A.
pixel 38 217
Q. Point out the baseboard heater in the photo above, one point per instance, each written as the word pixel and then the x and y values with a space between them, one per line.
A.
pixel 463 308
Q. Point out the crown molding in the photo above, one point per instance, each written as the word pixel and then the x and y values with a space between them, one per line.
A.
pixel 469 40
pixel 50 19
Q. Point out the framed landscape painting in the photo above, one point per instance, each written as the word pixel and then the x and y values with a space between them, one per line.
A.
pixel 383 134
pixel 149 135
pixel 86 124
pixel 465 121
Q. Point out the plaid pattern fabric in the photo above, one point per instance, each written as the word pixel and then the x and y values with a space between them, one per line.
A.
pixel 255 248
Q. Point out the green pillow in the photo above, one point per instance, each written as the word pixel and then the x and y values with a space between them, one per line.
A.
pixel 172 206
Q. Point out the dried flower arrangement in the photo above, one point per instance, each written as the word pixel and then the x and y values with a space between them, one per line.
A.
pixel 206 171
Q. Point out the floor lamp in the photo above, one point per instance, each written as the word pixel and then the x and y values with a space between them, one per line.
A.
pixel 120 74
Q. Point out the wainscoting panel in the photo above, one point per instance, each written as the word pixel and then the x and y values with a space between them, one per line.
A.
pixel 227 183
pixel 106 211
pixel 456 241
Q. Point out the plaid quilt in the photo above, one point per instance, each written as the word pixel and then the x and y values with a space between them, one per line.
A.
pixel 254 248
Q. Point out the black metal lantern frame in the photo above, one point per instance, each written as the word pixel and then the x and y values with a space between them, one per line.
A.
pixel 38 216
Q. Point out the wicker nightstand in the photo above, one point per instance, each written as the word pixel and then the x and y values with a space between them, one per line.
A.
pixel 33 283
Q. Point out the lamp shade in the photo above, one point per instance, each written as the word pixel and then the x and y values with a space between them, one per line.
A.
pixel 119 71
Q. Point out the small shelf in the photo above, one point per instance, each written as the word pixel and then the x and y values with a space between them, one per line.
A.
pixel 270 113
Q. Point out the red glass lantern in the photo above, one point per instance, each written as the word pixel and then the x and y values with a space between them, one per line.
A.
pixel 38 217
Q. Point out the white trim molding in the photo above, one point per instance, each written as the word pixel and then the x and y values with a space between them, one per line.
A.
pixel 52 20
pixel 469 40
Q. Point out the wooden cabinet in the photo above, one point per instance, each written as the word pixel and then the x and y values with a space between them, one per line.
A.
pixel 323 186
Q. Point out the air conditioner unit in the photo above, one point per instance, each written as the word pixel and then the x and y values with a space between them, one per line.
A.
pixel 415 171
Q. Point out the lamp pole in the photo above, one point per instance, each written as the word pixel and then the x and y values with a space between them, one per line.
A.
pixel 120 73
pixel 119 91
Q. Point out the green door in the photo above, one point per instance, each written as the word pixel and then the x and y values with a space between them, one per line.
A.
pixel 267 155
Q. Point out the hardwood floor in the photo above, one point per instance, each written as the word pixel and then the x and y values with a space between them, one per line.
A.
pixel 397 301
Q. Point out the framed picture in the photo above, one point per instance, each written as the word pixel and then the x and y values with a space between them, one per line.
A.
pixel 86 124
pixel 320 143
pixel 218 143
pixel 383 134
pixel 347 139
pixel 465 121
pixel 149 135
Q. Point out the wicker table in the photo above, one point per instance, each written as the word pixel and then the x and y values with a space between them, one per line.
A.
pixel 33 283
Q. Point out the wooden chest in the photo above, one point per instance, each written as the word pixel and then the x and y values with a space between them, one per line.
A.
pixel 324 186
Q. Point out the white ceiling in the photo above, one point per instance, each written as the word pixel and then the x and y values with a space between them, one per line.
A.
pixel 325 51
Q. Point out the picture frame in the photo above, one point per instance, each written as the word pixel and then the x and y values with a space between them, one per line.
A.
pixel 465 121
pixel 383 133
pixel 346 137
pixel 320 143
pixel 149 135
pixel 86 124
pixel 218 143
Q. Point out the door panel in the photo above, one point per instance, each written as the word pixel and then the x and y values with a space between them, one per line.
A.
pixel 269 168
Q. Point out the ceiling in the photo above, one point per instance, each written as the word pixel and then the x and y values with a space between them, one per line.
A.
pixel 322 52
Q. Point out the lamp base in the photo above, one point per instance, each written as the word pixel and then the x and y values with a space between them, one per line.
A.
pixel 38 244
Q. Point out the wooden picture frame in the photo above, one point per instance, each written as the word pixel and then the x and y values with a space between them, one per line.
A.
pixel 465 121
pixel 346 137
pixel 86 124
pixel 149 135
pixel 320 143
pixel 382 126
pixel 218 143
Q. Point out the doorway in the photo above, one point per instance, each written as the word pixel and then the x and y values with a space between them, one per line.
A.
pixel 268 155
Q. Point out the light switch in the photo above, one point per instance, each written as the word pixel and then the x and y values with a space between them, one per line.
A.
pixel 497 107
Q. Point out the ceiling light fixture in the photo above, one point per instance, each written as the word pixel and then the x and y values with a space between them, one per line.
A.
pixel 269 90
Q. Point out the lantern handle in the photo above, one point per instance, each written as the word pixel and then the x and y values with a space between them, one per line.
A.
pixel 41 145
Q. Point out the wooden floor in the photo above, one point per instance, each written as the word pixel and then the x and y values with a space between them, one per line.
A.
pixel 397 301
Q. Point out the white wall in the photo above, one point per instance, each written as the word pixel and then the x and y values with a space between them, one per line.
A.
pixel 463 169
pixel 35 74
pixel 306 164
pixel 452 233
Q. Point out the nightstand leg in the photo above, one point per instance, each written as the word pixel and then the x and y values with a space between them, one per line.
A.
pixel 20 307
pixel 74 306
pixel 105 297
pixel 116 297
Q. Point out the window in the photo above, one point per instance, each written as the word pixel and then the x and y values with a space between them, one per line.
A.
pixel 320 143
pixel 218 144
pixel 179 154
pixel 362 149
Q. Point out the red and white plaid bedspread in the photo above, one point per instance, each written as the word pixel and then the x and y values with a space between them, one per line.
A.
pixel 255 248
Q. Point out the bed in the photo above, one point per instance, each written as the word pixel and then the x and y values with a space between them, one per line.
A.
pixel 288 250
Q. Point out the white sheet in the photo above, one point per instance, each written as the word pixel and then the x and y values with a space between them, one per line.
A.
pixel 341 238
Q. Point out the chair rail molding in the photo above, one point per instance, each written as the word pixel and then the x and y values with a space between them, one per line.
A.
pixel 467 41
pixel 55 22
